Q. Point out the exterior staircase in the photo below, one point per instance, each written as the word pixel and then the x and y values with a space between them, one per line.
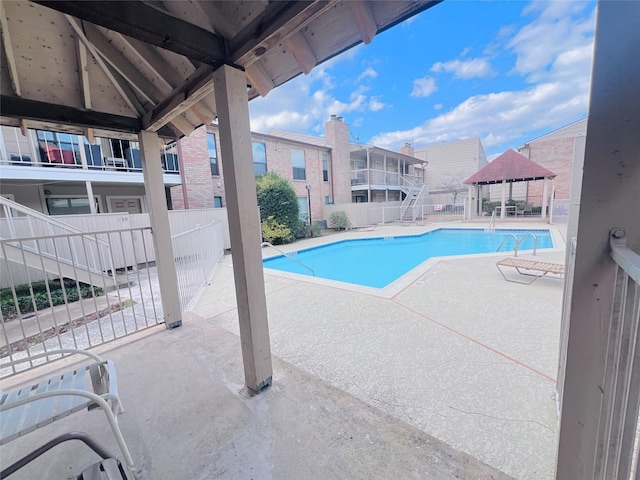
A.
pixel 47 245
pixel 412 205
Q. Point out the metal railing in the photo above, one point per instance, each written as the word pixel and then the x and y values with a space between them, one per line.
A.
pixel 52 149
pixel 289 256
pixel 196 253
pixel 618 432
pixel 63 311
pixel 518 242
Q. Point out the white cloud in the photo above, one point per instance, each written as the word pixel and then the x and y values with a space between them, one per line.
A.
pixel 375 104
pixel 306 102
pixel 368 73
pixel 423 87
pixel 474 68
pixel 554 32
pixel 556 61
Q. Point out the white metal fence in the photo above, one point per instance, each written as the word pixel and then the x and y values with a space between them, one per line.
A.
pixel 389 212
pixel 64 311
pixel 78 289
pixel 559 211
pixel 196 253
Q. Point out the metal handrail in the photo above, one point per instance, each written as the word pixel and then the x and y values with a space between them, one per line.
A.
pixel 492 225
pixel 519 242
pixel 535 241
pixel 510 235
pixel 267 244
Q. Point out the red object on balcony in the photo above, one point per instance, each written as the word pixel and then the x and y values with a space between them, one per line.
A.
pixel 55 155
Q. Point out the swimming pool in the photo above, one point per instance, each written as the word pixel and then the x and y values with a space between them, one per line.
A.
pixel 377 262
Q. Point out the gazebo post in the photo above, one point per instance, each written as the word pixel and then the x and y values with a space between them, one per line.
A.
pixel 471 202
pixel 503 203
pixel 545 194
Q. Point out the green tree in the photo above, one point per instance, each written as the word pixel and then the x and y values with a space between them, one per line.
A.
pixel 278 204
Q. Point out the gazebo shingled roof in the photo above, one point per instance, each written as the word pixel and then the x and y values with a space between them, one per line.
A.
pixel 511 166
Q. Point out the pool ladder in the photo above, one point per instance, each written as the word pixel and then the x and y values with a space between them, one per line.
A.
pixel 519 242
pixel 492 223
pixel 289 256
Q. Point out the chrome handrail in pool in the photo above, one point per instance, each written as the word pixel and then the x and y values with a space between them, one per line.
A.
pixel 518 242
pixel 267 244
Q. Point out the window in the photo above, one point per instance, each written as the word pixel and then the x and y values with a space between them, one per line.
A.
pixel 327 200
pixel 68 205
pixel 213 154
pixel 325 166
pixel 259 158
pixel 297 160
pixel 217 202
pixel 303 204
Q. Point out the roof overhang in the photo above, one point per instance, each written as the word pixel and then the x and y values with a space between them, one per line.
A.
pixel 132 65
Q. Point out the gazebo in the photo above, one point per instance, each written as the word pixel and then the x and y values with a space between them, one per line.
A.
pixel 508 168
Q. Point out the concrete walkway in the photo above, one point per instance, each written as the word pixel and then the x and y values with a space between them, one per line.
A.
pixel 455 351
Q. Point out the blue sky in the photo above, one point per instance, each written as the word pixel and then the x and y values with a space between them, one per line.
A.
pixel 504 71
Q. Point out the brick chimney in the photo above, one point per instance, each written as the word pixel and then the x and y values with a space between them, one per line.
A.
pixel 407 149
pixel 336 134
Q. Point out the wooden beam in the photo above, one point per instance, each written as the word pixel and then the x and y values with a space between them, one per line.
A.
pixel 22 108
pixel 201 116
pixel 118 61
pixel 364 19
pixel 123 89
pixel 215 17
pixel 184 126
pixel 196 87
pixel 8 50
pixel 259 79
pixel 159 216
pixel 148 24
pixel 275 24
pixel 153 60
pixel 244 224
pixel 83 74
pixel 302 52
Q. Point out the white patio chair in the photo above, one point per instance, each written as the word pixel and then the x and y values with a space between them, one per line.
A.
pixel 23 410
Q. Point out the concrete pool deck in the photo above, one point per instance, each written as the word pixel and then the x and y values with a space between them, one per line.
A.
pixel 452 349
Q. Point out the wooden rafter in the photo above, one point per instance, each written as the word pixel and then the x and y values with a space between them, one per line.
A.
pixel 153 60
pixel 216 19
pixel 275 24
pixel 148 24
pixel 83 74
pixel 181 98
pixel 8 50
pixel 364 19
pixel 123 89
pixel 118 61
pixel 259 78
pixel 301 52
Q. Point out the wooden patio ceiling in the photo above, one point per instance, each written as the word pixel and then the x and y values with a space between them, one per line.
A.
pixel 94 67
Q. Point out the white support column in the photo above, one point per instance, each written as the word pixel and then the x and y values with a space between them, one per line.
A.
pixel 368 177
pixel 157 204
pixel 232 107
pixel 545 197
pixel 503 203
pixel 609 199
pixel 471 201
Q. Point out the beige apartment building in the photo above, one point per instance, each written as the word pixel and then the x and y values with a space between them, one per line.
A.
pixel 450 161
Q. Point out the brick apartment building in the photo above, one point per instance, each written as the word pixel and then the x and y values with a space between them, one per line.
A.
pixel 323 170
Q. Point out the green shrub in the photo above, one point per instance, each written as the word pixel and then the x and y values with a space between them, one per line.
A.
pixel 339 220
pixel 278 202
pixel 41 297
pixel 304 230
pixel 276 233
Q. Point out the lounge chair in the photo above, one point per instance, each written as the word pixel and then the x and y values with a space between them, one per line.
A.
pixel 353 226
pixel 543 268
pixel 24 410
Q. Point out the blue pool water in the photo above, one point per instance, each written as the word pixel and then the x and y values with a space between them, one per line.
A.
pixel 376 262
